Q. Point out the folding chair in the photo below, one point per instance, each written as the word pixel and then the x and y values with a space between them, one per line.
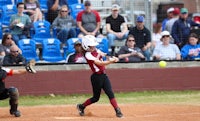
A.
pixel 75 9
pixel 7 12
pixel 5 2
pixel 17 1
pixel 43 7
pixel 70 2
pixel 51 50
pixel 41 31
pixel 1 33
pixel 103 44
pixel 69 48
pixel 28 47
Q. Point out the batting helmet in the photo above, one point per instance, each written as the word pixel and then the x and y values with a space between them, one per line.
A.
pixel 87 41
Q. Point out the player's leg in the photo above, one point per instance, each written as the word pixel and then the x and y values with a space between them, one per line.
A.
pixel 109 92
pixel 4 94
pixel 96 87
pixel 14 95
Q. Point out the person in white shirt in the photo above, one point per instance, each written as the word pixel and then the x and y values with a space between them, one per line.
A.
pixel 166 51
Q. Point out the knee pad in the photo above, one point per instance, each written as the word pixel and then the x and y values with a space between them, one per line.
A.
pixel 13 93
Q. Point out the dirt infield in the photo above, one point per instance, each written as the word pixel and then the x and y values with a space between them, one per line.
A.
pixel 104 112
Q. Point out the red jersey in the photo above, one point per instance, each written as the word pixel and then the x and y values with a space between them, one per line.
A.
pixel 83 13
pixel 90 57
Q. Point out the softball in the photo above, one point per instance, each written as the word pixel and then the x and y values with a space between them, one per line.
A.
pixel 162 64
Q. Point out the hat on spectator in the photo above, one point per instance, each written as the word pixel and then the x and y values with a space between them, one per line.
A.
pixel 170 10
pixel 77 42
pixel 115 7
pixel 87 3
pixel 140 19
pixel 176 11
pixel 165 33
pixel 184 10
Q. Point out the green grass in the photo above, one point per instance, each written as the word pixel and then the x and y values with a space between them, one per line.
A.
pixel 154 97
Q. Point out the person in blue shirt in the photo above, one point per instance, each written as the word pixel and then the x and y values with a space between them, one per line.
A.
pixel 181 28
pixel 191 51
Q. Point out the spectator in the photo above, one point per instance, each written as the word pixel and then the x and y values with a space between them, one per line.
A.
pixel 14 57
pixel 77 56
pixel 156 35
pixel 32 8
pixel 170 22
pixel 88 21
pixel 169 16
pixel 166 51
pixel 7 42
pixel 65 25
pixel 114 22
pixel 142 37
pixel 181 28
pixel 20 24
pixel 53 8
pixel 191 51
pixel 11 92
pixel 129 52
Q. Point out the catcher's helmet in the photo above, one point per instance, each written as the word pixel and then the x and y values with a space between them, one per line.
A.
pixel 87 41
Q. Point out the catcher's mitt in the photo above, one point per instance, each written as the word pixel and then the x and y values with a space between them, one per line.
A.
pixel 29 66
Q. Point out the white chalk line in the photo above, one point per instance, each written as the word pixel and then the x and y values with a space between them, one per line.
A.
pixel 156 115
pixel 62 118
pixel 148 115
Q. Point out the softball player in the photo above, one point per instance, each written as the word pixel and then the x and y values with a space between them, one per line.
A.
pixel 99 79
pixel 12 92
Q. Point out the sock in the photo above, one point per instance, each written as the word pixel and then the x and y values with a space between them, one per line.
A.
pixel 114 103
pixel 87 102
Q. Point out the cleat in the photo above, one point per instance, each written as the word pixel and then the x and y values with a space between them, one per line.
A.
pixel 15 113
pixel 118 113
pixel 80 109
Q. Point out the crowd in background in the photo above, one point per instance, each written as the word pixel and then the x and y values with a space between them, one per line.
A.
pixel 171 40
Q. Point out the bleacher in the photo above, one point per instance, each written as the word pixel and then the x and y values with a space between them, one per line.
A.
pixel 41 33
pixel 138 7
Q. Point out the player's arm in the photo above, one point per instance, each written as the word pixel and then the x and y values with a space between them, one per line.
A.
pixel 108 29
pixel 106 62
pixel 97 28
pixel 79 23
pixel 101 53
pixel 11 72
pixel 19 71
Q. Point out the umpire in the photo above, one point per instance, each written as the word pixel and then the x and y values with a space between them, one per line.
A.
pixel 12 92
